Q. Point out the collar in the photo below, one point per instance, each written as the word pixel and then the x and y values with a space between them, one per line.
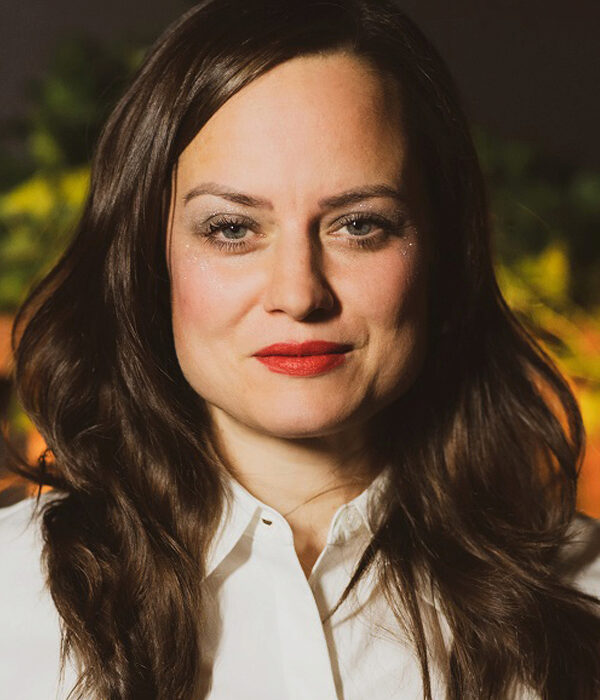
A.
pixel 242 512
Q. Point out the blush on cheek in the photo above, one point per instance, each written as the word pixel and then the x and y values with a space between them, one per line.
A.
pixel 190 311
pixel 207 298
pixel 184 301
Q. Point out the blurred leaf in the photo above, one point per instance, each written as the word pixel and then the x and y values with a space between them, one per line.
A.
pixel 34 198
pixel 36 221
pixel 548 273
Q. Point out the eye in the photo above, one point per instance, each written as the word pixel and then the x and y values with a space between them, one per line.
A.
pixel 369 230
pixel 360 230
pixel 360 227
pixel 226 232
pixel 232 231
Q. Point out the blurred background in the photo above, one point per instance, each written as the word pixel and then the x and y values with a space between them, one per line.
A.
pixel 529 74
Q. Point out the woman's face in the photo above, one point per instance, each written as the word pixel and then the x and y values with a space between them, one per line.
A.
pixel 297 217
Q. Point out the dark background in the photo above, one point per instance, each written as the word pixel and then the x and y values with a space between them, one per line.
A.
pixel 528 69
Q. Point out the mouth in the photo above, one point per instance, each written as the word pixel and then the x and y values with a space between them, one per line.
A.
pixel 303 359
pixel 310 347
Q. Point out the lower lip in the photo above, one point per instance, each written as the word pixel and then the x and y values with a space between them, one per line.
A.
pixel 303 366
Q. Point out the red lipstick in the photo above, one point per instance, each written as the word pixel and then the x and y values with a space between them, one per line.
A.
pixel 303 359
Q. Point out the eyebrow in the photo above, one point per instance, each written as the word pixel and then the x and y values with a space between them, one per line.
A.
pixel 358 194
pixel 352 196
pixel 225 193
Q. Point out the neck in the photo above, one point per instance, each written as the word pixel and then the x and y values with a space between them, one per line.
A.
pixel 301 478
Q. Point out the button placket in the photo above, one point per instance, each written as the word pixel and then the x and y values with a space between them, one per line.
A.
pixel 306 655
pixel 274 528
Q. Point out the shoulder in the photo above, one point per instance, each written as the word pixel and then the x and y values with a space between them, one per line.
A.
pixel 30 637
pixel 20 542
pixel 581 555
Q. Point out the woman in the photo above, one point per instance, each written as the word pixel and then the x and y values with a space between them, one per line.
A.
pixel 301 447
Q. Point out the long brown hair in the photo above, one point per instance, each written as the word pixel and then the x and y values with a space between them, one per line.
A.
pixel 484 447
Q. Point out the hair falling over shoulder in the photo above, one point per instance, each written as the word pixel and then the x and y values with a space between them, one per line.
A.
pixel 484 447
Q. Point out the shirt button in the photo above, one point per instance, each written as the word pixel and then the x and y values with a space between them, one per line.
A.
pixel 266 517
pixel 353 519
pixel 340 528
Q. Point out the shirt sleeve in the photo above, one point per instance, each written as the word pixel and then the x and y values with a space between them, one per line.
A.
pixel 29 623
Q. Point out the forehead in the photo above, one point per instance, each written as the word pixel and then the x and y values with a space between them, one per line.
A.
pixel 318 121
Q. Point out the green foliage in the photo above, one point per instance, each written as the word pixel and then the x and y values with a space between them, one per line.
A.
pixel 73 102
pixel 546 219
pixel 539 201
pixel 36 219
pixel 44 158
pixel 68 107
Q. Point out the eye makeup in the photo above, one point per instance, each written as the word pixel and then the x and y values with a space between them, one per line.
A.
pixel 237 233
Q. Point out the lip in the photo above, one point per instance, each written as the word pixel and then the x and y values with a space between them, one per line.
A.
pixel 306 359
pixel 309 347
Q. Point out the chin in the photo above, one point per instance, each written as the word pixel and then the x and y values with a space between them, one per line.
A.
pixel 296 424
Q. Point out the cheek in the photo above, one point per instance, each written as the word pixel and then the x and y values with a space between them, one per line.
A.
pixel 389 292
pixel 192 295
pixel 393 307
pixel 206 299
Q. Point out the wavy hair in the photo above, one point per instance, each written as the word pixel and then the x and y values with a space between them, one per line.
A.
pixel 484 447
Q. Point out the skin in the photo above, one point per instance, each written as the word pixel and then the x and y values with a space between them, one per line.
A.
pixel 309 129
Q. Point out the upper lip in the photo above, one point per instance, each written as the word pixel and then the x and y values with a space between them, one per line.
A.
pixel 309 347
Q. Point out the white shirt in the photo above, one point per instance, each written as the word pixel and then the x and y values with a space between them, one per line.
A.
pixel 265 638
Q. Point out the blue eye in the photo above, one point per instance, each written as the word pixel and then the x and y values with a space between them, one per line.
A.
pixel 369 230
pixel 362 230
pixel 360 226
pixel 234 231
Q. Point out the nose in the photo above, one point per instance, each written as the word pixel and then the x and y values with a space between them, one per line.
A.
pixel 296 284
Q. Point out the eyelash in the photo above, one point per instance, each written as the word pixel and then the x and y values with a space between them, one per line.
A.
pixel 384 224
